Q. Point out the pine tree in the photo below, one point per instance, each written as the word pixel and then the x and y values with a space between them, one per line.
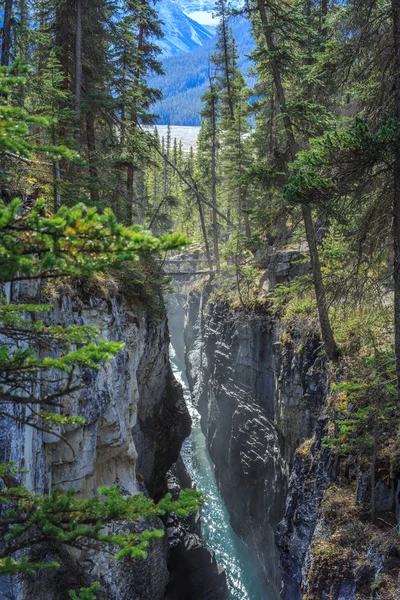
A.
pixel 207 155
pixel 135 58
pixel 233 108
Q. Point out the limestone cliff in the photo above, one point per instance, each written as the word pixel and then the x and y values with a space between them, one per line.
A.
pixel 136 420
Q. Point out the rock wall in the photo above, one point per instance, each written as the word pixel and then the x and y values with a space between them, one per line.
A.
pixel 303 511
pixel 300 391
pixel 230 370
pixel 258 399
pixel 311 474
pixel 136 421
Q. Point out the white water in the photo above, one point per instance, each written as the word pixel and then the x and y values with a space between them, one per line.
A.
pixel 216 530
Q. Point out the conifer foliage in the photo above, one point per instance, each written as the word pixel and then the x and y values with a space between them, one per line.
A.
pixel 40 363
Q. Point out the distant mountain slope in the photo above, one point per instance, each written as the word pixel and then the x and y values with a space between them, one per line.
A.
pixel 189 6
pixel 186 78
pixel 181 33
pixel 201 10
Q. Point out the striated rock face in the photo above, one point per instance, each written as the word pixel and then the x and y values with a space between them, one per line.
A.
pixel 312 472
pixel 302 511
pixel 230 367
pixel 259 399
pixel 300 392
pixel 136 421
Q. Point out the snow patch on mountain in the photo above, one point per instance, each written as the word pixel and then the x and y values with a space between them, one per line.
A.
pixel 202 10
pixel 203 17
pixel 181 33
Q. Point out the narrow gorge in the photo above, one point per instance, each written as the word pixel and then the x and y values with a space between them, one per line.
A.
pixel 262 393
pixel 258 399
pixel 219 397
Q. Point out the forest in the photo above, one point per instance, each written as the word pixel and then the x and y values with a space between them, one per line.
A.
pixel 299 155
pixel 185 77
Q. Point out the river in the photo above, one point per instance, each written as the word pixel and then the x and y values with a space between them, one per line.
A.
pixel 216 530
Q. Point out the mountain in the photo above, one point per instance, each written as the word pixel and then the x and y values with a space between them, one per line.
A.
pixel 189 6
pixel 202 10
pixel 181 33
pixel 186 77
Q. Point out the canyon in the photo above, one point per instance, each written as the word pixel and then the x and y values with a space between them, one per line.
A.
pixel 263 398
pixel 256 401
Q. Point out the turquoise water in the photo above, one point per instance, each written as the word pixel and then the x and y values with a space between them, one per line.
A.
pixel 216 530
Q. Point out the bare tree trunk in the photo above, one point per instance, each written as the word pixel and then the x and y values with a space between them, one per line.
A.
pixel 204 230
pixel 214 215
pixel 78 68
pixel 130 178
pixel 5 62
pixel 327 333
pixel 57 179
pixel 93 173
pixel 396 191
pixel 6 34
pixel 324 12
pixel 326 330
pixel 247 229
pixel 271 126
pixel 214 180
pixel 23 26
pixel 130 175
pixel 63 43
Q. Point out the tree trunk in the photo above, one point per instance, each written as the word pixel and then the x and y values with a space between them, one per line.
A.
pixel 57 179
pixel 63 43
pixel 130 174
pixel 204 230
pixel 327 333
pixel 130 177
pixel 23 44
pixel 324 13
pixel 373 467
pixel 247 228
pixel 396 190
pixel 78 68
pixel 6 37
pixel 93 173
pixel 226 63
pixel 277 80
pixel 214 182
pixel 326 330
